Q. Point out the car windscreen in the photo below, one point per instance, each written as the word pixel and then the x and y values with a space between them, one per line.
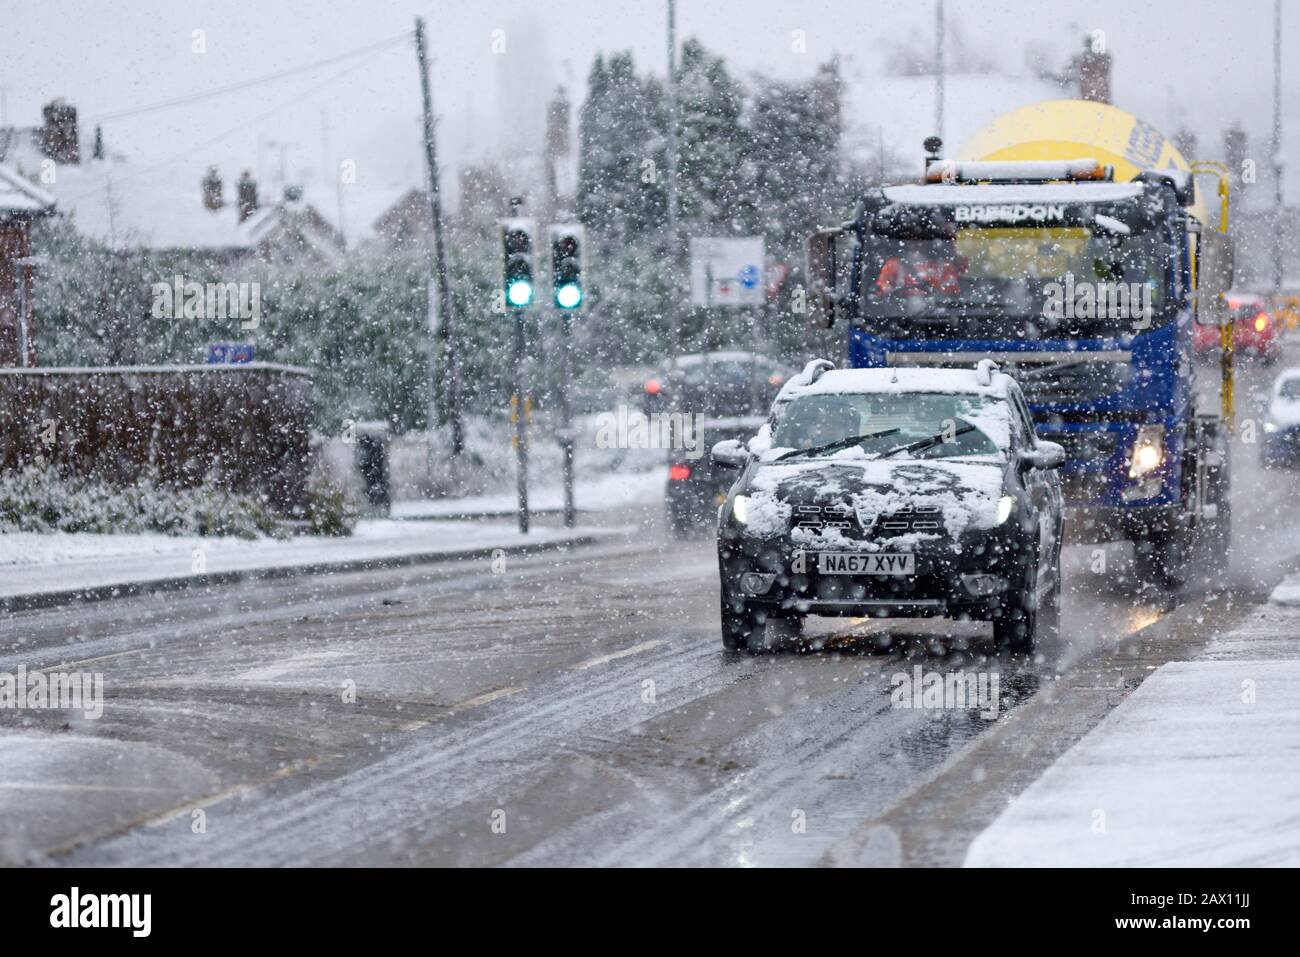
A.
pixel 963 424
pixel 1026 280
pixel 1289 389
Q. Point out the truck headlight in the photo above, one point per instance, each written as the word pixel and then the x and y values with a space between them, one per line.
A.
pixel 1005 505
pixel 740 509
pixel 1148 451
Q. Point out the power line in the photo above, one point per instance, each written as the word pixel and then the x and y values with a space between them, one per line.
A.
pixel 134 173
pixel 245 84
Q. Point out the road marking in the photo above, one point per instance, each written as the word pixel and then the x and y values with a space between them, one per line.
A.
pixel 625 653
pixel 86 661
pixel 458 708
pixel 168 816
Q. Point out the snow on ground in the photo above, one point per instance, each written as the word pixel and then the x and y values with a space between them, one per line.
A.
pixel 1195 769
pixel 33 563
pixel 1287 592
pixel 611 491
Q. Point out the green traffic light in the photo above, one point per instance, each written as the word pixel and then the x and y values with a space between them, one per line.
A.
pixel 519 292
pixel 568 296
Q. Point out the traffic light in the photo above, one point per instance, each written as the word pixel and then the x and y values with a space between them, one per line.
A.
pixel 517 246
pixel 567 242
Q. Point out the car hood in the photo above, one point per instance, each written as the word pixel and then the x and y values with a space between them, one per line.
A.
pixel 965 492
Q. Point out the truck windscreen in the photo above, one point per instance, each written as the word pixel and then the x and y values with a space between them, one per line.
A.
pixel 1041 280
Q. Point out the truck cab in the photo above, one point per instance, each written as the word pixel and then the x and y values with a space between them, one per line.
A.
pixel 1083 289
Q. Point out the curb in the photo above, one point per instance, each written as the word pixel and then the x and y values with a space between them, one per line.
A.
pixel 55 599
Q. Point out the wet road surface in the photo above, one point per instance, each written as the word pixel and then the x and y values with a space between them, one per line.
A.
pixel 572 709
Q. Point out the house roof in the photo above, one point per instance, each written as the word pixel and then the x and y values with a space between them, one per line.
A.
pixel 19 195
pixel 125 203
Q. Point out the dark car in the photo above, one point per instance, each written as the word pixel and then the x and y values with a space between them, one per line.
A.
pixel 720 395
pixel 715 384
pixel 696 484
pixel 892 492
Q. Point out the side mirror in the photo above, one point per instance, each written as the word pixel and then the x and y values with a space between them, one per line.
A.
pixel 1045 455
pixel 730 454
pixel 1215 271
pixel 822 268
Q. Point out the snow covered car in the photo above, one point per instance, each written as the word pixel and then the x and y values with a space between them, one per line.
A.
pixel 1281 444
pixel 892 492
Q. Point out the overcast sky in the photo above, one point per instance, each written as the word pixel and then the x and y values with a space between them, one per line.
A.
pixel 1200 62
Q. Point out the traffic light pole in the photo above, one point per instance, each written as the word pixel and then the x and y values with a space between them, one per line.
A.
pixel 566 415
pixel 521 431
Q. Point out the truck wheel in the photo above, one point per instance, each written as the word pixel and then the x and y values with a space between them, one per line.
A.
pixel 1171 558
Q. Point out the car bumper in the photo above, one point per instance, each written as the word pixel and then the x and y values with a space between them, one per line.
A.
pixel 946 583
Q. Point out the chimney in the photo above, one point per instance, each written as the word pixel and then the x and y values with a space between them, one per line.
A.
pixel 1092 66
pixel 212 197
pixel 247 195
pixel 59 139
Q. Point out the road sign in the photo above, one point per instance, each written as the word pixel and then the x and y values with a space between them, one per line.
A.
pixel 727 271
pixel 230 353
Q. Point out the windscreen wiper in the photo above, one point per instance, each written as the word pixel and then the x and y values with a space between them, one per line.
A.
pixel 925 443
pixel 844 443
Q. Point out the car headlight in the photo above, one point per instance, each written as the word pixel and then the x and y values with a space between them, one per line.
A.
pixel 1270 426
pixel 1148 451
pixel 1005 505
pixel 740 509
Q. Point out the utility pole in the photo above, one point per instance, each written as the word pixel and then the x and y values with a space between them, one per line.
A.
pixel 1279 220
pixel 444 334
pixel 674 241
pixel 938 70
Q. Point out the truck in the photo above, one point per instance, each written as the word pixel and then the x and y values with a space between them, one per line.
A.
pixel 1069 242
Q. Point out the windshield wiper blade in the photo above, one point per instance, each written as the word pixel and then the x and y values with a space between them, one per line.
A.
pixel 927 442
pixel 844 443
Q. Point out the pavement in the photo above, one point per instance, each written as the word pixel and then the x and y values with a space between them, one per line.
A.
pixel 1196 768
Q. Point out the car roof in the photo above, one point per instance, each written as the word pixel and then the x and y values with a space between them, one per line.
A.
pixel 896 381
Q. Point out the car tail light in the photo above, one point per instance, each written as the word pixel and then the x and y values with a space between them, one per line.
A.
pixel 652 387
pixel 679 473
pixel 775 379
pixel 1261 322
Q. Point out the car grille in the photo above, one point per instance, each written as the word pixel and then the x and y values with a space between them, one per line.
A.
pixel 817 517
pixel 922 518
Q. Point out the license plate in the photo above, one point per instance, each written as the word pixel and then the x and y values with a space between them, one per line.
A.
pixel 870 563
